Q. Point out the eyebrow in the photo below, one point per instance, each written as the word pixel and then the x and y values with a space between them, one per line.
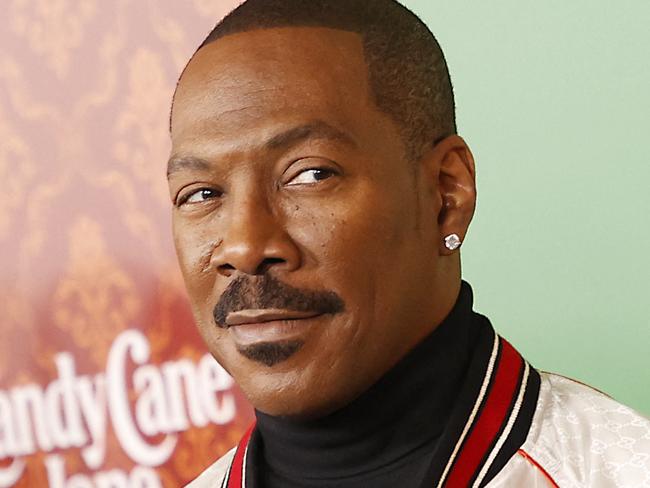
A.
pixel 312 130
pixel 317 129
pixel 180 163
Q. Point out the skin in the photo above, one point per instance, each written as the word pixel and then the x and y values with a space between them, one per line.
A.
pixel 331 208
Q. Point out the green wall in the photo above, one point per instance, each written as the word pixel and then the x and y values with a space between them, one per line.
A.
pixel 554 99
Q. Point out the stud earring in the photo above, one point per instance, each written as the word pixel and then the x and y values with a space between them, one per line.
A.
pixel 452 242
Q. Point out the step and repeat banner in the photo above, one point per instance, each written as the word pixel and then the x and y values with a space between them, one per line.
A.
pixel 103 380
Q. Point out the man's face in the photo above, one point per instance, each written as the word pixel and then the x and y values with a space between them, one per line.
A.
pixel 308 244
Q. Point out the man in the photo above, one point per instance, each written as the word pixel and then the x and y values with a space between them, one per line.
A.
pixel 321 195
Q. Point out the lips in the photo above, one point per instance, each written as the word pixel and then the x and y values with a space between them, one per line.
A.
pixel 248 327
pixel 262 316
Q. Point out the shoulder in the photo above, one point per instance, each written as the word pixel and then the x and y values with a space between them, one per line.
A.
pixel 215 474
pixel 582 437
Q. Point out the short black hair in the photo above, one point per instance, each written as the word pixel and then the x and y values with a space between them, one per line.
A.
pixel 408 74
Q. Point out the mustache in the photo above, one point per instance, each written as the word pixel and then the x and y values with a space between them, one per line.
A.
pixel 262 292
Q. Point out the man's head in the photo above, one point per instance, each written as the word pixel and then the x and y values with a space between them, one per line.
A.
pixel 314 175
pixel 407 70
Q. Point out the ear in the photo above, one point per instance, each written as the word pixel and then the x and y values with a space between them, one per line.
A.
pixel 455 186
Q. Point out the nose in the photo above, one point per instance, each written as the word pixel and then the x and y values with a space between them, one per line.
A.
pixel 255 241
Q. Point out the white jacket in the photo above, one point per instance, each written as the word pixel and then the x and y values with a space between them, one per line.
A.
pixel 580 438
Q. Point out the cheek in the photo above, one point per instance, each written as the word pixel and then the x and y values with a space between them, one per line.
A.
pixel 369 236
pixel 193 251
pixel 355 244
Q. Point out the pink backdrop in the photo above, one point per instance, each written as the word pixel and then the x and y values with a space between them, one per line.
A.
pixel 103 379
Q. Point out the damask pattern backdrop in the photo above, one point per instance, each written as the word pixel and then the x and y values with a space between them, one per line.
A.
pixel 100 365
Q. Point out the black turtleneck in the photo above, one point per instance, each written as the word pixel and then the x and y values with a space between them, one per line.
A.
pixel 388 435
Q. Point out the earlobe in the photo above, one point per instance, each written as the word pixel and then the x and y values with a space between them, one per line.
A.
pixel 457 192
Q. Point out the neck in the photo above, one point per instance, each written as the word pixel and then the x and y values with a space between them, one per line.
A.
pixel 402 415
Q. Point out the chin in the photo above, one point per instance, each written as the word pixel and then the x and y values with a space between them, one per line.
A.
pixel 287 389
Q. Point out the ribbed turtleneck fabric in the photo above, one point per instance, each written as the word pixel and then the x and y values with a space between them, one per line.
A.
pixel 387 436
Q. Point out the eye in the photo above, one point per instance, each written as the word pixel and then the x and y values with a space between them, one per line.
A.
pixel 310 176
pixel 198 196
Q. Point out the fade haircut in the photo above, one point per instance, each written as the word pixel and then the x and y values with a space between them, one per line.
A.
pixel 408 74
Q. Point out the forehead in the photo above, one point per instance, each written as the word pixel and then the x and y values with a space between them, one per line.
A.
pixel 255 79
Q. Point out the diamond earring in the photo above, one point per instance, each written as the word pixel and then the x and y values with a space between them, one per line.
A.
pixel 452 242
